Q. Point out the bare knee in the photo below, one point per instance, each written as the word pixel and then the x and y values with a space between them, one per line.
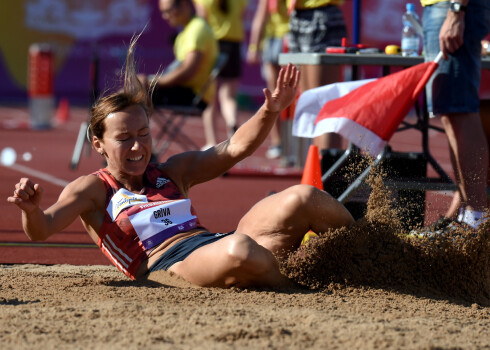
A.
pixel 318 208
pixel 298 196
pixel 241 251
pixel 247 260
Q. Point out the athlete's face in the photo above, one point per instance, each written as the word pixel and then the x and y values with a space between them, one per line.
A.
pixel 126 142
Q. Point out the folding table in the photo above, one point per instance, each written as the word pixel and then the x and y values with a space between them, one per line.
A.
pixel 442 181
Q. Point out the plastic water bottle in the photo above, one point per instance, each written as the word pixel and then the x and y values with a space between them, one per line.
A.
pixel 410 38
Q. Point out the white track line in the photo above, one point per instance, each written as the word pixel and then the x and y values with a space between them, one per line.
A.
pixel 39 174
pixel 14 112
pixel 48 245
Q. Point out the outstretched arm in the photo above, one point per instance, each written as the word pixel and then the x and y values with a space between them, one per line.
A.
pixel 251 135
pixel 197 167
pixel 76 198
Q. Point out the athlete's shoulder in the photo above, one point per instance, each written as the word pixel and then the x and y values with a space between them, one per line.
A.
pixel 86 184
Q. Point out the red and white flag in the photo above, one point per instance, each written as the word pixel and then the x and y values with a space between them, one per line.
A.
pixel 366 112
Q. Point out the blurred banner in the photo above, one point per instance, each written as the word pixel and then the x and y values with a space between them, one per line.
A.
pixel 88 19
pixel 80 31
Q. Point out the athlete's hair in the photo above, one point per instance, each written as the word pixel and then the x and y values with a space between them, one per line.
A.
pixel 134 92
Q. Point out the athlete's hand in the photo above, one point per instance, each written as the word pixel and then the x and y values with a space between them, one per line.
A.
pixel 285 91
pixel 27 195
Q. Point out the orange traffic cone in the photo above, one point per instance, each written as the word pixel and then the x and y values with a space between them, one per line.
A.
pixel 312 173
pixel 63 111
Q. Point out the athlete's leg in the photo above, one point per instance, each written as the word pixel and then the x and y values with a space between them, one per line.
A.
pixel 235 260
pixel 279 222
pixel 274 225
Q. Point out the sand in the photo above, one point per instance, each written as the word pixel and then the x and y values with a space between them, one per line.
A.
pixel 368 286
pixel 96 307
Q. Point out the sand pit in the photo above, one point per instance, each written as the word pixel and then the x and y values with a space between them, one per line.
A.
pixel 96 307
pixel 368 286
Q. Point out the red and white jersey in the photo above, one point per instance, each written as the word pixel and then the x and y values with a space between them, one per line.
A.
pixel 136 223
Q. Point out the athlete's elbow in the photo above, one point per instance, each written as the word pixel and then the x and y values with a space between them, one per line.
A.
pixel 36 235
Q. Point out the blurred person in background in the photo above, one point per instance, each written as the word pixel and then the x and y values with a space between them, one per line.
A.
pixel 269 28
pixel 195 50
pixel 457 28
pixel 226 20
pixel 314 25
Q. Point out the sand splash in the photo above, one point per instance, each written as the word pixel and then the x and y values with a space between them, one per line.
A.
pixel 377 252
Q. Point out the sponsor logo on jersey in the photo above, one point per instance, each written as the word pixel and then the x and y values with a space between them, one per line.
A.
pixel 124 199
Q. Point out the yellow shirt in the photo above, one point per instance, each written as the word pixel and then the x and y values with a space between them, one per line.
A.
pixel 430 2
pixel 278 24
pixel 198 36
pixel 311 4
pixel 226 26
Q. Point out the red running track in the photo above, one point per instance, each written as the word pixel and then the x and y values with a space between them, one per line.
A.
pixel 220 203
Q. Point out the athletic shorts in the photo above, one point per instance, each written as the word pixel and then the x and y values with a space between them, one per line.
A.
pixel 271 50
pixel 175 96
pixel 312 30
pixel 183 249
pixel 454 86
pixel 233 67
